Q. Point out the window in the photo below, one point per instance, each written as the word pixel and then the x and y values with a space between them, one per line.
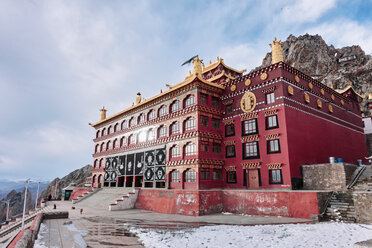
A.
pixel 203 98
pixel 151 135
pixel 229 130
pixel 230 151
pixel 163 110
pixel 270 98
pixel 272 122
pixel 273 146
pixel 108 145
pixel 231 177
pixel 99 133
pixel 95 163
pixel 205 173
pixel 100 162
pixel 141 119
pixel 216 147
pixel 114 144
pixel 175 176
pixel 189 101
pixel 249 127
pixel 175 128
pixel 162 131
pixel 175 106
pixel 229 109
pixel 131 139
pixel 103 131
pixel 217 174
pixel 190 149
pixel 175 151
pixel 116 127
pixel 102 146
pixel 204 121
pixel 151 115
pixel 216 123
pixel 275 177
pixel 131 122
pixel 190 123
pixel 123 125
pixel 190 176
pixel 215 102
pixel 250 150
pixel 109 129
pixel 204 147
pixel 122 141
pixel 97 148
pixel 141 136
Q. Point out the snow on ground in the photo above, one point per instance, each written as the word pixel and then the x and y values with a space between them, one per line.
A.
pixel 291 235
pixel 43 232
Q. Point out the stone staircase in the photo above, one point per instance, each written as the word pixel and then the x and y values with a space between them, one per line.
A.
pixel 341 207
pixel 85 195
pixel 125 202
pixel 364 182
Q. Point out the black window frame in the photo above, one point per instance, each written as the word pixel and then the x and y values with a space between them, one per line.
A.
pixel 267 122
pixel 202 95
pixel 202 119
pixel 215 120
pixel 228 112
pixel 251 157
pixel 270 176
pixel 233 133
pixel 216 145
pixel 230 156
pixel 228 173
pixel 215 99
pixel 243 127
pixel 205 172
pixel 268 146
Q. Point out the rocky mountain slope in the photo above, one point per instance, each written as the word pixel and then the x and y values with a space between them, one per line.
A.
pixel 16 204
pixel 55 187
pixel 334 67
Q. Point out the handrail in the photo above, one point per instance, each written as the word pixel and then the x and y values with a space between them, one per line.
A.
pixel 356 177
pixel 325 206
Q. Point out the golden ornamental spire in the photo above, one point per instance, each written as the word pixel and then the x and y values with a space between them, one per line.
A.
pixel 138 98
pixel 197 66
pixel 103 113
pixel 276 51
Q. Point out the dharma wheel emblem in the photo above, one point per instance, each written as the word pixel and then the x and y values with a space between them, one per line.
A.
pixel 248 102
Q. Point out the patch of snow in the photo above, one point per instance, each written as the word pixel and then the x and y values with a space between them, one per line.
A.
pixel 78 238
pixel 40 241
pixel 289 235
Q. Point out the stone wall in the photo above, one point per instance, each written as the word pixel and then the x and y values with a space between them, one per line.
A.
pixel 362 204
pixel 327 176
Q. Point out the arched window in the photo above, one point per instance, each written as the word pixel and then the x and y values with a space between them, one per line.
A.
pixel 98 134
pixel 94 179
pixel 162 111
pixel 175 106
pixel 190 149
pixel 97 148
pixel 162 131
pixel 189 101
pixel 109 130
pixel 131 122
pixel 103 132
pixel 190 176
pixel 123 125
pixel 108 145
pixel 189 124
pixel 141 136
pixel 175 151
pixel 151 115
pixel 115 143
pixel 131 139
pixel 122 141
pixel 95 163
pixel 175 127
pixel 102 146
pixel 116 127
pixel 151 135
pixel 175 176
pixel 100 178
pixel 141 119
pixel 100 162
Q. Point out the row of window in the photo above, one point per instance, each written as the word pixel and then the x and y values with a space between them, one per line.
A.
pixel 174 128
pixel 275 177
pixel 250 127
pixel 270 99
pixel 162 111
pixel 251 149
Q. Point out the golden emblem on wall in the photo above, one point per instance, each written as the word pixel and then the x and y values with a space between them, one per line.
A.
pixel 233 87
pixel 310 85
pixel 290 90
pixel 322 91
pixel 330 108
pixel 248 82
pixel 297 79
pixel 263 76
pixel 342 102
pixel 307 98
pixel 332 97
pixel 248 102
pixel 319 103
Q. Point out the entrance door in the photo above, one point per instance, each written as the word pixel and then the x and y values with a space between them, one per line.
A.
pixel 253 179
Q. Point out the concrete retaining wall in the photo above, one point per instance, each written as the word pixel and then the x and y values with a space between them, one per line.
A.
pixel 363 204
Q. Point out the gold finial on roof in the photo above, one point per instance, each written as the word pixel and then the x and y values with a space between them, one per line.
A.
pixel 138 98
pixel 103 113
pixel 276 51
pixel 197 66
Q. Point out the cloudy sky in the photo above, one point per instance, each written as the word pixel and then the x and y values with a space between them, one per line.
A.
pixel 61 61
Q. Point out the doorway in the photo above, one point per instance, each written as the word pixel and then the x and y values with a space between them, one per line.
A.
pixel 253 176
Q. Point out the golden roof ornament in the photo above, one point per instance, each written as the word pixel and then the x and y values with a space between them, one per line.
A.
pixel 138 98
pixel 276 51
pixel 197 66
pixel 103 113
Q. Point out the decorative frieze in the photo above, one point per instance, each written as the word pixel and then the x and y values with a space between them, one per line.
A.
pixel 272 136
pixel 248 116
pixel 228 102
pixel 269 90
pixel 229 142
pixel 230 168
pixel 274 166
pixel 249 138
pixel 254 165
pixel 271 112
pixel 228 122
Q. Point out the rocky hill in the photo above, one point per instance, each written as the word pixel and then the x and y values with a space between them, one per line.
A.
pixel 334 67
pixel 16 204
pixel 55 187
